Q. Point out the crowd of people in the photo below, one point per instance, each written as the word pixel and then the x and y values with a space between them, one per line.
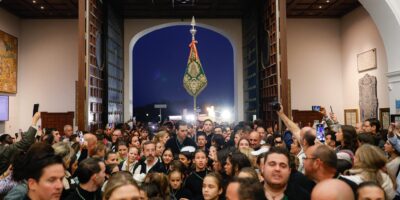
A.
pixel 206 160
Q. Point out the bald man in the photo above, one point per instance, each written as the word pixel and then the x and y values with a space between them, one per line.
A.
pixel 320 164
pixel 255 140
pixel 332 189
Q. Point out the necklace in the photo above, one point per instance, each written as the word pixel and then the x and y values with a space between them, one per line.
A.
pixel 80 196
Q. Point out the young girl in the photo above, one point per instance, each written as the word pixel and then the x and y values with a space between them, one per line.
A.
pixel 129 163
pixel 167 157
pixel 175 182
pixel 194 181
pixel 212 187
pixel 186 158
pixel 122 151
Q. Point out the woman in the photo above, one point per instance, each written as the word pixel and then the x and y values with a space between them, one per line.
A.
pixel 63 150
pixel 130 162
pixel 121 186
pixel 368 162
pixel 393 160
pixel 161 136
pixel 212 186
pixel 243 143
pixel 346 136
pixel 235 162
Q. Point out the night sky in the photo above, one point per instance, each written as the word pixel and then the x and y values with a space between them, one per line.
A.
pixel 160 59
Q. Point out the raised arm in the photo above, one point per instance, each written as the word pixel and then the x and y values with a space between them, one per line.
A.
pixel 289 124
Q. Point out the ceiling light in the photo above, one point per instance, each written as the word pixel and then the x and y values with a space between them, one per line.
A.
pixel 42 7
pixel 34 1
pixel 328 1
pixel 319 7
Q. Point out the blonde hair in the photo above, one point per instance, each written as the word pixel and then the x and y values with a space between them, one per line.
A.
pixel 63 150
pixel 159 135
pixel 117 180
pixel 369 160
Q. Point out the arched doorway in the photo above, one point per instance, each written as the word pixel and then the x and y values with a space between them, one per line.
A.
pixel 234 40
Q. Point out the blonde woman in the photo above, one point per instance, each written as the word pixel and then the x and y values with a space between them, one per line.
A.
pixel 368 164
pixel 161 136
pixel 63 150
pixel 121 186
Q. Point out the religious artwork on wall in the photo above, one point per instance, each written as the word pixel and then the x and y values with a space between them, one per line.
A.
pixel 366 60
pixel 384 117
pixel 350 117
pixel 8 63
pixel 368 97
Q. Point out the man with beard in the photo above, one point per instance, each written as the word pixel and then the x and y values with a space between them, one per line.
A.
pixel 276 175
pixel 151 163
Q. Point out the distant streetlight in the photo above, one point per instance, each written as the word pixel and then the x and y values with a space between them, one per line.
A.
pixel 147 114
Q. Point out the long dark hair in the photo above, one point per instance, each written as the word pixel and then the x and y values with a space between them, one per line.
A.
pixel 349 137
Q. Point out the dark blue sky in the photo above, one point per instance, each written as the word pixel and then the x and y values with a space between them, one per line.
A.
pixel 160 59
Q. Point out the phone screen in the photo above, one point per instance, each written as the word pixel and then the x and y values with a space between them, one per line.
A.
pixel 316 108
pixel 320 132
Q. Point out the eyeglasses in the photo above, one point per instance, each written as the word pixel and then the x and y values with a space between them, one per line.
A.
pixel 278 142
pixel 306 158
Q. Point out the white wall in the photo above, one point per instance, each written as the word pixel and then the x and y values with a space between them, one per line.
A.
pixel 360 34
pixel 230 28
pixel 386 15
pixel 314 63
pixel 322 61
pixel 47 69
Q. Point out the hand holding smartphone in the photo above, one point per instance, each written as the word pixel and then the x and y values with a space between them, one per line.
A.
pixel 35 108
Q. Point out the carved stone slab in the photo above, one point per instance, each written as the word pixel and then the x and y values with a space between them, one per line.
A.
pixel 368 97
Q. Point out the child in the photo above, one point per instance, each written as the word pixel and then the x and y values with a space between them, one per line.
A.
pixel 122 151
pixel 129 163
pixel 167 157
pixel 175 182
pixel 194 181
pixel 212 187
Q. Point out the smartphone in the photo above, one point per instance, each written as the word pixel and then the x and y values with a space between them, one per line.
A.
pixel 316 108
pixel 320 132
pixel 81 138
pixel 35 108
pixel 331 109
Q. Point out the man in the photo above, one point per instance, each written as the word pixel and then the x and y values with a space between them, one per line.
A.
pixel 218 130
pixel 261 131
pixel 114 138
pixel 207 129
pixel 332 189
pixel 91 175
pixel 8 151
pixel 255 139
pixel 67 133
pixel 226 132
pixel 373 126
pixel 151 163
pixel 245 188
pixel 181 140
pixel 43 172
pixel 201 142
pixel 306 136
pixel 276 175
pixel 6 139
pixel 320 164
pixel 359 127
pixel 89 147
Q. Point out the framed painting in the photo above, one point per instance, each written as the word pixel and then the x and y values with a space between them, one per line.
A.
pixel 8 63
pixel 350 117
pixel 384 117
pixel 366 60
